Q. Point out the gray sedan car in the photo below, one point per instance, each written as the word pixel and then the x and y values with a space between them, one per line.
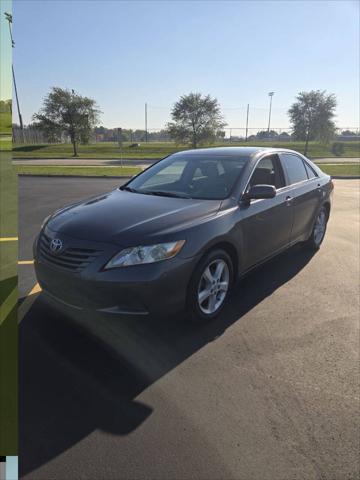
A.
pixel 178 234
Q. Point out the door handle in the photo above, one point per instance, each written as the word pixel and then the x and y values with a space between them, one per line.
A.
pixel 288 200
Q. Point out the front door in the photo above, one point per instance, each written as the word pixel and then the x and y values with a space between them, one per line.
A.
pixel 266 223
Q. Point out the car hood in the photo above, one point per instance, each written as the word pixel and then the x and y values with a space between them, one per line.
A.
pixel 127 218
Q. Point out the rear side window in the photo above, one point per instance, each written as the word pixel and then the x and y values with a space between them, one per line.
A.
pixel 310 171
pixel 295 168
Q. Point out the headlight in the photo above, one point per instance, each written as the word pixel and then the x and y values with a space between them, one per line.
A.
pixel 145 254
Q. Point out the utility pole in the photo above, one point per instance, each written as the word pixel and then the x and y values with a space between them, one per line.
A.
pixel 146 129
pixel 271 94
pixel 8 17
pixel 119 135
pixel 17 100
pixel 247 122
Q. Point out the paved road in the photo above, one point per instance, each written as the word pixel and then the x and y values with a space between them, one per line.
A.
pixel 269 391
pixel 131 161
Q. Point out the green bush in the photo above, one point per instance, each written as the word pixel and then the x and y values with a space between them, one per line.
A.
pixel 337 149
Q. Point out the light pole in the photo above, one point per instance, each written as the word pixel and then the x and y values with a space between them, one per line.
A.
pixel 146 128
pixel 8 17
pixel 271 94
pixel 247 123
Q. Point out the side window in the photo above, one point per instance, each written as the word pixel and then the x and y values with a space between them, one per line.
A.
pixel 310 171
pixel 268 172
pixel 295 168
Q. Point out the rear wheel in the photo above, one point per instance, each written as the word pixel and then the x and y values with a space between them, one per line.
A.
pixel 210 286
pixel 318 231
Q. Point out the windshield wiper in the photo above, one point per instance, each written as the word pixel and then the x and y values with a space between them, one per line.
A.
pixel 160 193
pixel 129 189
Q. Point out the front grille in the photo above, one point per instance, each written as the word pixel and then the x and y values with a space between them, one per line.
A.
pixel 72 259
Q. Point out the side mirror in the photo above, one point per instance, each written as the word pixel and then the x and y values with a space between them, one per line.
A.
pixel 260 191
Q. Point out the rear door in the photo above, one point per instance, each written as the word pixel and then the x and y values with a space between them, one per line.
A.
pixel 305 192
pixel 267 222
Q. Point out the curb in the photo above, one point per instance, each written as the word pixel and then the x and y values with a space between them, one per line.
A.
pixel 345 177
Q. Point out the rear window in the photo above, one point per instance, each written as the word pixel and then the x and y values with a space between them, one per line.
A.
pixel 295 168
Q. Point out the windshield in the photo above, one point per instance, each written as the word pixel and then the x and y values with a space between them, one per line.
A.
pixel 190 176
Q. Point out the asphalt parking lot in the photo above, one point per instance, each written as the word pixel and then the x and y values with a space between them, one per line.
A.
pixel 268 391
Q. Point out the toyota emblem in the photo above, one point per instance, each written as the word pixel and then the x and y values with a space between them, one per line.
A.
pixel 56 245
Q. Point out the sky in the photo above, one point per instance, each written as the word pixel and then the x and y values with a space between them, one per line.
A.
pixel 5 52
pixel 124 54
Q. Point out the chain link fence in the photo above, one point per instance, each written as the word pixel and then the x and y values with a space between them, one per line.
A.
pixel 34 136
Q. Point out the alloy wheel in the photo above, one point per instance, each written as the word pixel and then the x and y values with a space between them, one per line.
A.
pixel 213 286
pixel 320 227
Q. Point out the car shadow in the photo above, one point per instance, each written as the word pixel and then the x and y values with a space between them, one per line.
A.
pixel 73 383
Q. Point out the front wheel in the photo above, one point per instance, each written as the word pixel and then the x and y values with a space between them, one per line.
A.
pixel 210 286
pixel 318 231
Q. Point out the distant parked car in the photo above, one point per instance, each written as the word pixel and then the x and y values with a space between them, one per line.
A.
pixel 133 145
pixel 179 234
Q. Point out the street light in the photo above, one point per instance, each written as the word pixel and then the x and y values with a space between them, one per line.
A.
pixel 8 17
pixel 271 94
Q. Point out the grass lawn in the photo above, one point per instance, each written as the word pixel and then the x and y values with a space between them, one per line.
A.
pixel 351 169
pixel 5 123
pixel 161 149
pixel 5 143
pixel 98 171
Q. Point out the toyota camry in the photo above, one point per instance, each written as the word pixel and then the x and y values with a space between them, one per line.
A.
pixel 180 233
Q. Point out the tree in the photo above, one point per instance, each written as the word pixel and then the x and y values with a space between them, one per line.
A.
pixel 284 136
pixel 196 119
pixel 348 133
pixel 65 111
pixel 265 135
pixel 5 106
pixel 312 116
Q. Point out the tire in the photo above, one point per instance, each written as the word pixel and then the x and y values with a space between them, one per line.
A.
pixel 319 229
pixel 205 280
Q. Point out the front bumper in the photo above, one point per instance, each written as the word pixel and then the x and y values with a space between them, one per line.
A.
pixel 158 288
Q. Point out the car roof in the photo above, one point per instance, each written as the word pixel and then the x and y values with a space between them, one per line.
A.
pixel 234 151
